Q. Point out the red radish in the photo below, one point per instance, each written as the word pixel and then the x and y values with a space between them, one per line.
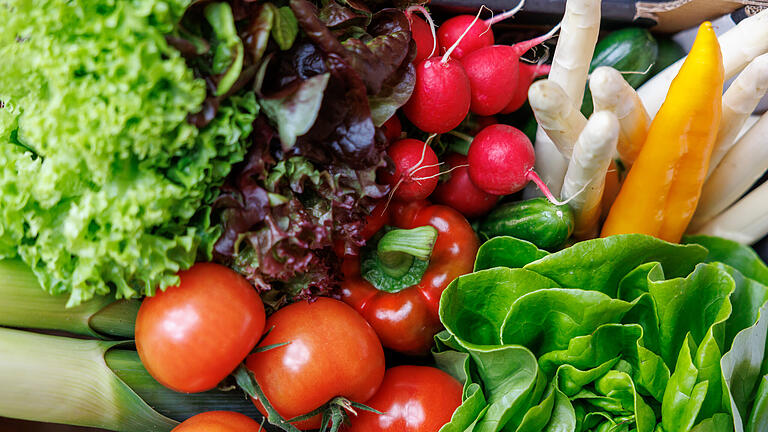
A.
pixel 481 122
pixel 479 33
pixel 527 73
pixel 441 94
pixel 392 128
pixel 460 193
pixel 501 160
pixel 493 73
pixel 416 170
pixel 422 33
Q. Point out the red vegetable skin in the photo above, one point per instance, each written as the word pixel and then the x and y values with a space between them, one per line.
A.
pixel 459 193
pixel 422 35
pixel 411 398
pixel 416 171
pixel 441 95
pixel 526 74
pixel 501 160
pixel 494 75
pixel 478 36
pixel 406 321
pixel 191 336
pixel 218 421
pixel 392 128
pixel 332 351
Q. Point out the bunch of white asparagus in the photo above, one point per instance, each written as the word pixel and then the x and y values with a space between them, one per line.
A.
pixel 573 154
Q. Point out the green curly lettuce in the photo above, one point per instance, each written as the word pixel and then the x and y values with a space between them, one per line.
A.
pixel 104 185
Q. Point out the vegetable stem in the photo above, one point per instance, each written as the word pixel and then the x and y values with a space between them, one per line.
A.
pixel 398 248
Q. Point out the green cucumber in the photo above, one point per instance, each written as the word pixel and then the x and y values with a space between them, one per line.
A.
pixel 630 49
pixel 669 53
pixel 537 220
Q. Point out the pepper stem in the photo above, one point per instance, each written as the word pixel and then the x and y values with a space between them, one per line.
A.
pixel 398 248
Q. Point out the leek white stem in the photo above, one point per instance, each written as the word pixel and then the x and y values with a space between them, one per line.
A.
pixel 739 101
pixel 611 92
pixel 739 169
pixel 745 222
pixel 739 45
pixel 62 380
pixel 25 304
pixel 585 179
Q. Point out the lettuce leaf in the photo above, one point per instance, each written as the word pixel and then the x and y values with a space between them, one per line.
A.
pixel 104 185
pixel 626 333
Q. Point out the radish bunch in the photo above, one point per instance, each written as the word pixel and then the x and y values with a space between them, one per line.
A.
pixel 473 74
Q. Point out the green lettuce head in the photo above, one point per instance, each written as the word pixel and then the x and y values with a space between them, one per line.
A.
pixel 104 185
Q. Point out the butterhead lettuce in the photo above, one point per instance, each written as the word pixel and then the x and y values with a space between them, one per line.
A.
pixel 104 184
pixel 625 333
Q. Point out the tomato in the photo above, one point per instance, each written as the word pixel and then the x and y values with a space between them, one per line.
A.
pixel 219 421
pixel 191 336
pixel 411 398
pixel 332 351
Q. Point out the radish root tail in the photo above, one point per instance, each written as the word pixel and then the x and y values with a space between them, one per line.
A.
pixel 508 14
pixel 532 176
pixel 447 54
pixel 432 26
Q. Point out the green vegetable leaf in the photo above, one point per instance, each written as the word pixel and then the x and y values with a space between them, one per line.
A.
pixel 295 114
pixel 603 262
pixel 228 51
pixel 742 258
pixel 507 252
pixel 285 28
pixel 759 417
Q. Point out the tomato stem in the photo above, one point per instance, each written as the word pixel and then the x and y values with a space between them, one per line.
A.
pixel 248 383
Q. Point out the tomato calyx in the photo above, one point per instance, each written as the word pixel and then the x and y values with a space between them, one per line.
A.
pixel 335 412
pixel 398 258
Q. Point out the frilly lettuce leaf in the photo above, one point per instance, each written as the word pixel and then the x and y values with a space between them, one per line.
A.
pixel 103 182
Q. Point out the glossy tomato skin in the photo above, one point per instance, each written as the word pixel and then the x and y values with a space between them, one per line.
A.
pixel 191 336
pixel 412 399
pixel 218 421
pixel 332 351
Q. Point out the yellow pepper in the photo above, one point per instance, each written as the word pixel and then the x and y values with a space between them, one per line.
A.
pixel 663 187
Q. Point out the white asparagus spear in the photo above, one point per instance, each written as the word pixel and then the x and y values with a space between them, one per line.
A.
pixel 570 67
pixel 575 47
pixel 739 101
pixel 611 92
pixel 745 222
pixel 739 169
pixel 739 45
pixel 561 120
pixel 550 165
pixel 585 179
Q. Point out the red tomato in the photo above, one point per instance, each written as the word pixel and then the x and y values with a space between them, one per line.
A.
pixel 218 421
pixel 332 352
pixel 191 336
pixel 411 398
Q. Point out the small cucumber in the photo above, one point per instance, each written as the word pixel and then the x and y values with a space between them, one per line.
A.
pixel 669 53
pixel 537 220
pixel 630 49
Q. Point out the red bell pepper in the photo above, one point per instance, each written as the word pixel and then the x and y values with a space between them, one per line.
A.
pixel 414 251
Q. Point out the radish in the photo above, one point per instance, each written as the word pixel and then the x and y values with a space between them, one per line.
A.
pixel 416 170
pixel 479 33
pixel 422 33
pixel 527 73
pixel 459 192
pixel 493 73
pixel 441 94
pixel 501 160
pixel 392 128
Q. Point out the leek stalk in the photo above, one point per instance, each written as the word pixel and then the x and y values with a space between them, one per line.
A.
pixel 25 305
pixel 96 384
